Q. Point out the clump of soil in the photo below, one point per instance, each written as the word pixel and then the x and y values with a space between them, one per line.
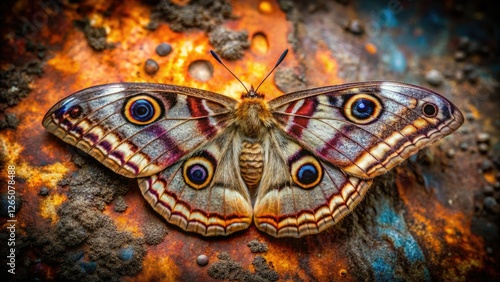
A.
pixel 14 86
pixel 229 44
pixel 198 14
pixel 257 247
pixel 154 231
pixel 205 15
pixel 228 269
pixel 86 244
pixel 96 36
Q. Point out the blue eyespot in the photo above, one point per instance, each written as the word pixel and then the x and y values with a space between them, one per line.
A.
pixel 199 169
pixel 305 169
pixel 142 110
pixel 363 108
pixel 197 174
pixel 307 174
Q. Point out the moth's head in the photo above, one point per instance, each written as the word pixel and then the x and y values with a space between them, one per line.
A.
pixel 252 93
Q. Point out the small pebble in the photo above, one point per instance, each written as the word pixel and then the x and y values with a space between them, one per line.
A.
pixel 202 260
pixel 354 26
pixel 473 77
pixel 450 153
pixel 163 49
pixel 483 137
pixel 483 148
pixel 490 204
pixel 464 130
pixel 489 250
pixel 459 55
pixel 434 77
pixel 486 165
pixel 469 116
pixel 468 68
pixel 44 191
pixel 463 42
pixel 126 253
pixel 488 190
pixel 464 146
pixel 473 47
pixel 459 75
pixel 151 66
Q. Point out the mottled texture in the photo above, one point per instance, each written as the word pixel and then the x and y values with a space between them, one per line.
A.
pixel 257 247
pixel 96 36
pixel 229 44
pixel 228 269
pixel 154 232
pixel 86 242
pixel 199 14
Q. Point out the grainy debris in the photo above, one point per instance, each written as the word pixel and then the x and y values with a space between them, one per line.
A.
pixel 287 80
pixel 198 14
pixel 227 269
pixel 229 44
pixel 205 15
pixel 257 247
pixel 154 232
pixel 120 204
pixel 15 84
pixel 96 36
pixel 86 242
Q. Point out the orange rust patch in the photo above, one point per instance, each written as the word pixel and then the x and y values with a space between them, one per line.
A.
pixel 490 177
pixel 49 206
pixel 324 63
pixel 158 268
pixel 265 7
pixel 371 48
pixel 441 228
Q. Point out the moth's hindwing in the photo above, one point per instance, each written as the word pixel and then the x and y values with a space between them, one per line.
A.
pixel 300 194
pixel 204 192
pixel 367 128
pixel 139 129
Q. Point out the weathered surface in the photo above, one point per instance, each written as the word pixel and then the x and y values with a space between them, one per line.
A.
pixel 435 217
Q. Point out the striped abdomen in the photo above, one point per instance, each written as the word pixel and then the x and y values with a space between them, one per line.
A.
pixel 251 164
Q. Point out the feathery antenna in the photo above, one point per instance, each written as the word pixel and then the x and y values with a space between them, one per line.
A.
pixel 220 62
pixel 282 57
pixel 253 92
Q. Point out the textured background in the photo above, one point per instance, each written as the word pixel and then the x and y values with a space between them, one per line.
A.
pixel 435 217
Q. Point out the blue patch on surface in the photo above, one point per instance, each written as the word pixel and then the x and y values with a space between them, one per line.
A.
pixel 126 254
pixel 397 60
pixel 88 267
pixel 395 240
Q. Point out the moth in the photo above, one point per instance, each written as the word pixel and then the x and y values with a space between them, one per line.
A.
pixel 295 165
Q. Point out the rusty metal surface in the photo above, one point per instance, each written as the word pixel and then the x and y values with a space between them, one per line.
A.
pixel 432 218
